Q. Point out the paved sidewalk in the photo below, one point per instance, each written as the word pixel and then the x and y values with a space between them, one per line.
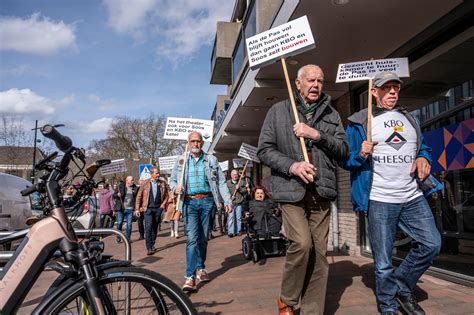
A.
pixel 239 286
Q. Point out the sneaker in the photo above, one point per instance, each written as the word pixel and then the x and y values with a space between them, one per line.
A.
pixel 202 275
pixel 172 234
pixel 150 252
pixel 410 305
pixel 189 285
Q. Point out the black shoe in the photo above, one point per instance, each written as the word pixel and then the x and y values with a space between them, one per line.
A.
pixel 231 235
pixel 150 252
pixel 210 236
pixel 409 305
pixel 119 240
pixel 222 232
pixel 389 313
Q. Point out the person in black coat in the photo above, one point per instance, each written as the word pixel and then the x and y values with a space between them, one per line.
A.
pixel 263 212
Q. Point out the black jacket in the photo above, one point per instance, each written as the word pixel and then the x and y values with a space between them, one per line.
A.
pixel 123 192
pixel 279 148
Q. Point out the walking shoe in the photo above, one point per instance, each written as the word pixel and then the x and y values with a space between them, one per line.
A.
pixel 189 285
pixel 284 309
pixel 202 275
pixel 389 313
pixel 231 235
pixel 172 233
pixel 410 305
pixel 150 252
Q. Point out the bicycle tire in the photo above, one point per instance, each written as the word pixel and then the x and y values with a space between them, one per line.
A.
pixel 150 293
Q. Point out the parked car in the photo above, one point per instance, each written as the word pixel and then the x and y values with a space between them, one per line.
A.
pixel 14 208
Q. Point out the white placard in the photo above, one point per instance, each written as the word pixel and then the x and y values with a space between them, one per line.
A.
pixel 179 128
pixel 166 163
pixel 115 166
pixel 248 152
pixel 365 70
pixel 240 163
pixel 286 40
pixel 224 165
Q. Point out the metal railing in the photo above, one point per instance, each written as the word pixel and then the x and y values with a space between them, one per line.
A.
pixel 16 235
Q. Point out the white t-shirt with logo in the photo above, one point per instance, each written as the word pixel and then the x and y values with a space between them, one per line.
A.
pixel 393 158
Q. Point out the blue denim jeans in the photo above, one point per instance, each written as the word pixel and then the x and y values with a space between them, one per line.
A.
pixel 128 215
pixel 196 214
pixel 416 220
pixel 234 220
pixel 152 218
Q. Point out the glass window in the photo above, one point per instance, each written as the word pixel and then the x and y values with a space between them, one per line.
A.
pixel 251 23
pixel 238 59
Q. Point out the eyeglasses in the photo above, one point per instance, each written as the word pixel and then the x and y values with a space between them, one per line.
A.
pixel 389 87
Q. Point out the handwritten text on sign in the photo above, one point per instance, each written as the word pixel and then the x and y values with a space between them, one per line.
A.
pixel 365 70
pixel 179 128
pixel 167 162
pixel 288 39
pixel 248 152
pixel 115 166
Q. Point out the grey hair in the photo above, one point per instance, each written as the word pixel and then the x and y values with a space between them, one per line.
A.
pixel 299 74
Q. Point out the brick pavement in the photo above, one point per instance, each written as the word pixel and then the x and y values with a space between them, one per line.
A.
pixel 240 286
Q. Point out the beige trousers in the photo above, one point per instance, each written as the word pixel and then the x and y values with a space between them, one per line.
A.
pixel 305 275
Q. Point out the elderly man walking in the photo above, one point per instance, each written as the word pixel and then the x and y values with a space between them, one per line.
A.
pixel 203 186
pixel 304 189
pixel 384 175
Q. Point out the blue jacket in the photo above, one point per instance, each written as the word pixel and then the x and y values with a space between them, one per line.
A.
pixel 361 168
pixel 214 176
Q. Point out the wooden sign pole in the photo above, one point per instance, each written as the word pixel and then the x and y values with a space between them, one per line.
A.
pixel 293 106
pixel 240 178
pixel 369 112
pixel 181 176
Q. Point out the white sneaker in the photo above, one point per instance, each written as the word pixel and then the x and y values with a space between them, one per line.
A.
pixel 172 233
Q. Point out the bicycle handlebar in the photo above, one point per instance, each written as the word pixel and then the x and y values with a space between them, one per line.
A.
pixel 62 142
pixel 29 190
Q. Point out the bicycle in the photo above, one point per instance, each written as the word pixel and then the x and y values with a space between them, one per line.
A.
pixel 86 285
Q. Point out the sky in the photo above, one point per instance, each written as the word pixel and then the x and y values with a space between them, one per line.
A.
pixel 83 62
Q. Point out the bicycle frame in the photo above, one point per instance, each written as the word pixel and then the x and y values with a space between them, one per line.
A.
pixel 21 272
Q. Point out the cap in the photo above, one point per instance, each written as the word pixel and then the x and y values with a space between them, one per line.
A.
pixel 384 77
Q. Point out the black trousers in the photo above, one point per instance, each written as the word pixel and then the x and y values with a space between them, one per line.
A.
pixel 152 219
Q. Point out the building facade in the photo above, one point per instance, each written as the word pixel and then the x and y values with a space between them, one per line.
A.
pixel 437 37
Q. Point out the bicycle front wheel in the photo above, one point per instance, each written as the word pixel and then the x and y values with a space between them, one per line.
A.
pixel 128 290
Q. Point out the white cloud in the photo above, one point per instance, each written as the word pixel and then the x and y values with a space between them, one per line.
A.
pixel 129 17
pixel 183 26
pixel 36 35
pixel 15 101
pixel 103 105
pixel 97 126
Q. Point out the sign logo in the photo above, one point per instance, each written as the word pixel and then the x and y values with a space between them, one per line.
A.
pixel 396 141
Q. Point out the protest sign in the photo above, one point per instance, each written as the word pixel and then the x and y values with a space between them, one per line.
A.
pixel 115 166
pixel 366 70
pixel 166 163
pixel 248 152
pixel 239 163
pixel 179 128
pixel 224 165
pixel 285 40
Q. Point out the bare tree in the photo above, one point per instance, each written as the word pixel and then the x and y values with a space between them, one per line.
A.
pixel 137 138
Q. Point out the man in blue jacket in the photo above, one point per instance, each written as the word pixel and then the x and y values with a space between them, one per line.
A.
pixel 385 174
pixel 203 186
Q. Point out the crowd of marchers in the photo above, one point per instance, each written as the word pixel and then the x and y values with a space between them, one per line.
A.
pixel 392 192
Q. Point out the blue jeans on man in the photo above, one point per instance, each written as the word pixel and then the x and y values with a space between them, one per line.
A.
pixel 234 220
pixel 126 214
pixel 416 220
pixel 152 218
pixel 196 214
